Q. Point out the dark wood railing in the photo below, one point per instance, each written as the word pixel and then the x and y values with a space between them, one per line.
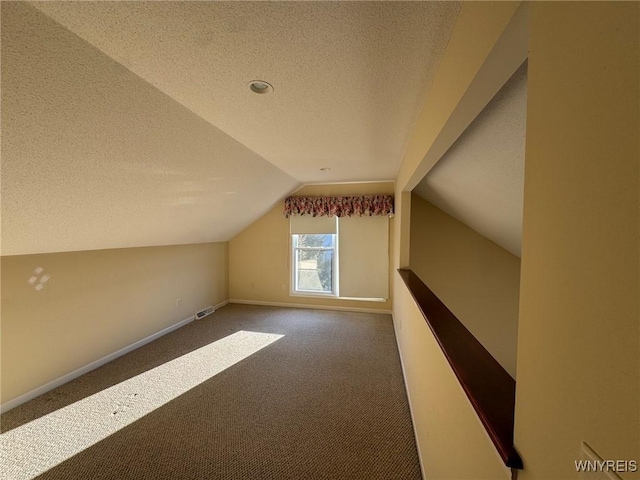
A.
pixel 489 387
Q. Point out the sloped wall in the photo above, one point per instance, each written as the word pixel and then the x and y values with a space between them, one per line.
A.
pixel 478 280
pixel 94 157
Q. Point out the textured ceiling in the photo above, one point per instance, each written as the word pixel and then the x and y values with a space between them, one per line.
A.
pixel 349 78
pixel 131 123
pixel 93 157
pixel 480 180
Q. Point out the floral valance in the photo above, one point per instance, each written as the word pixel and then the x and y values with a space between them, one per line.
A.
pixel 347 206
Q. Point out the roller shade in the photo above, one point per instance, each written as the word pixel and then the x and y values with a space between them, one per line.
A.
pixel 301 224
pixel 363 249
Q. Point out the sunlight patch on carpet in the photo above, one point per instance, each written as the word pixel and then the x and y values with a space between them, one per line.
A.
pixel 37 446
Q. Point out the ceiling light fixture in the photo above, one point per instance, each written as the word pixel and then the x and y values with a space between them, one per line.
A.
pixel 260 86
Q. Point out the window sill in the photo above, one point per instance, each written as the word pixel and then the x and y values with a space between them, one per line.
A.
pixel 363 299
pixel 312 295
pixel 331 296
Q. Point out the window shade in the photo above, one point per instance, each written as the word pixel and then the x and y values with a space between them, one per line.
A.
pixel 301 224
pixel 363 249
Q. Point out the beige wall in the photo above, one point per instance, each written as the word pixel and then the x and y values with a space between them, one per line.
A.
pixel 579 351
pixel 451 441
pixel 97 302
pixel 259 257
pixel 578 329
pixel 476 279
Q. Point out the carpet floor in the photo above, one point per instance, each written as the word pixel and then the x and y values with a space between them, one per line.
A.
pixel 319 396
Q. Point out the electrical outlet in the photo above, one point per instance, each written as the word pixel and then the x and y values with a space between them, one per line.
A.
pixel 178 302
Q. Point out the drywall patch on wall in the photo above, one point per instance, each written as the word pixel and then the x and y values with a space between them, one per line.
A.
pixel 96 303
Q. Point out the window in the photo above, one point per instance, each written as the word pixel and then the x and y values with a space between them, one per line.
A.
pixel 314 259
pixel 346 257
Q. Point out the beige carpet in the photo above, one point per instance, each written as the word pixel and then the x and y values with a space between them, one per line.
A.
pixel 319 396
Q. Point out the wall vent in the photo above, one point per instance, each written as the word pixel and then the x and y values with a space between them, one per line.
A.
pixel 205 312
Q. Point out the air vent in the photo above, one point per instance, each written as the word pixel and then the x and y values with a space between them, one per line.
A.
pixel 204 313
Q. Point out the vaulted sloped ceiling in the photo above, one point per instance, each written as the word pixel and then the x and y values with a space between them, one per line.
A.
pixel 131 123
pixel 480 180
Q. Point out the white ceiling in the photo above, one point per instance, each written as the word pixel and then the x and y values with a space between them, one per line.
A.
pixel 131 123
pixel 348 77
pixel 480 180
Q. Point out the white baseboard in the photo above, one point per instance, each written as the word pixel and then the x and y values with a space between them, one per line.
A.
pixel 5 407
pixel 220 305
pixel 314 307
pixel 406 388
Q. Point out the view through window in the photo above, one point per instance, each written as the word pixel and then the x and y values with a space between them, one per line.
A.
pixel 314 263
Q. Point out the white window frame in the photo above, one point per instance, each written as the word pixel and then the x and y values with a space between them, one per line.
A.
pixel 294 270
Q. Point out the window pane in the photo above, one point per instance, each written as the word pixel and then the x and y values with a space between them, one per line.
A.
pixel 315 240
pixel 315 270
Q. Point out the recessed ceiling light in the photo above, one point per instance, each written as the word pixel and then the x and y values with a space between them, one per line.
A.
pixel 260 86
